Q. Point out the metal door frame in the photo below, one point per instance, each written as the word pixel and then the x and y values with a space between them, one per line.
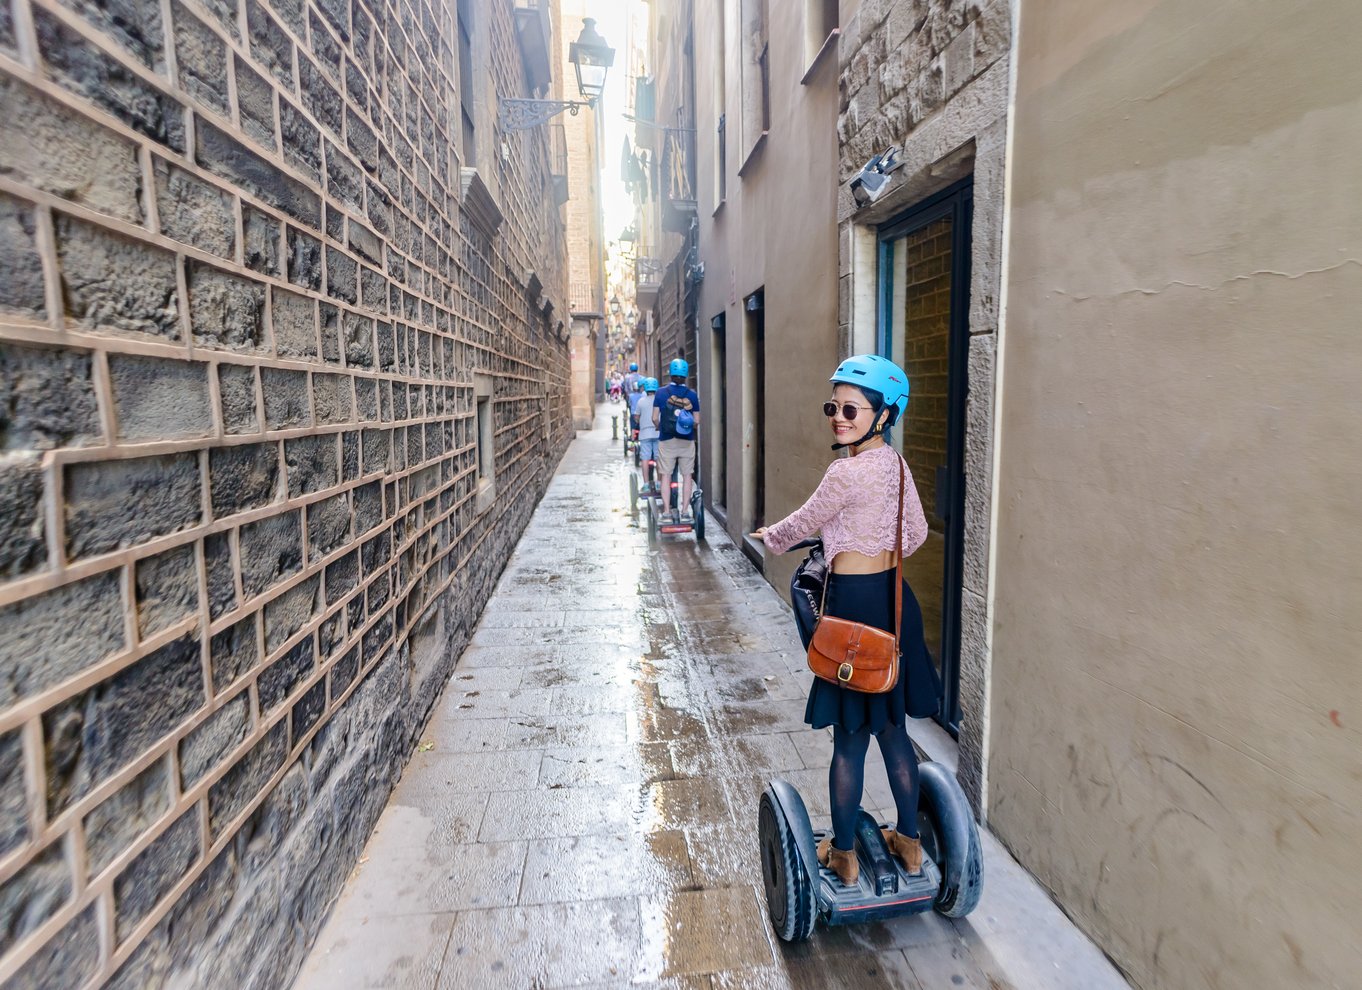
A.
pixel 956 202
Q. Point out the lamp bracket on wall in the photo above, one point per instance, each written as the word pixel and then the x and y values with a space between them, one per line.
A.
pixel 519 114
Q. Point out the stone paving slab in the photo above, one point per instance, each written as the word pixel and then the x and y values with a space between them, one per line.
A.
pixel 581 809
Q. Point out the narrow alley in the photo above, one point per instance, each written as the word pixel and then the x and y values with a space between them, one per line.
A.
pixel 581 809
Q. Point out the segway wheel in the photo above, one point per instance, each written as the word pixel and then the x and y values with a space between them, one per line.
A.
pixel 633 492
pixel 652 520
pixel 951 838
pixel 699 511
pixel 789 894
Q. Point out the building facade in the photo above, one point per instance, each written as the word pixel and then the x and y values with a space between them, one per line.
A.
pixel 283 373
pixel 1115 249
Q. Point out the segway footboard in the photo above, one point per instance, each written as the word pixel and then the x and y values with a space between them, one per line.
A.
pixel 883 890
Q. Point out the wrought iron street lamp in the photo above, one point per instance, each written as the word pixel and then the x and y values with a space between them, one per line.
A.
pixel 591 57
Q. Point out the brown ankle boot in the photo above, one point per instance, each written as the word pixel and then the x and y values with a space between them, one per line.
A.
pixel 840 861
pixel 908 851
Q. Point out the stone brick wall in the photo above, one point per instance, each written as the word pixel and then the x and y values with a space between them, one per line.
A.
pixel 241 310
pixel 931 76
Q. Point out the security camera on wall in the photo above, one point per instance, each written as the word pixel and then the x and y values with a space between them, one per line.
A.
pixel 873 179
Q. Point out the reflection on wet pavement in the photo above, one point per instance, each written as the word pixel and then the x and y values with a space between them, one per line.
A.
pixel 582 809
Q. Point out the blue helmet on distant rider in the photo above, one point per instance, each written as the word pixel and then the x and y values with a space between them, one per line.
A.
pixel 650 384
pixel 633 366
pixel 678 368
pixel 882 378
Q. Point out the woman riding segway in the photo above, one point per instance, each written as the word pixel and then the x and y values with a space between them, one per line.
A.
pixel 866 508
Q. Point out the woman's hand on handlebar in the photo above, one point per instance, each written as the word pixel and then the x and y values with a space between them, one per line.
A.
pixel 759 534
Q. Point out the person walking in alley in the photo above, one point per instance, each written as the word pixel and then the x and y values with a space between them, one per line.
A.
pixel 856 509
pixel 676 414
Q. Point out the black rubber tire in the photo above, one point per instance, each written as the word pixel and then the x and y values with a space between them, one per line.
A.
pixel 699 521
pixel 951 838
pixel 652 520
pixel 633 492
pixel 789 895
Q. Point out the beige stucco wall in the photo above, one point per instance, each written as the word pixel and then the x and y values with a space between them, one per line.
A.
pixel 1177 696
pixel 776 230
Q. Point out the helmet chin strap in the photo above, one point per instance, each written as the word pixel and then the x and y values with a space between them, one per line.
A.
pixel 875 431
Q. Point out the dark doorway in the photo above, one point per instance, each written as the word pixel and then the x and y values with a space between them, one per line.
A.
pixel 716 404
pixel 924 274
pixel 754 445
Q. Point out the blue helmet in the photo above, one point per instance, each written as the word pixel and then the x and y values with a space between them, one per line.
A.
pixel 650 384
pixel 678 367
pixel 880 375
pixel 633 366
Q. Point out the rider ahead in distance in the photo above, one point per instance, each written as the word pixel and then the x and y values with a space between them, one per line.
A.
pixel 676 414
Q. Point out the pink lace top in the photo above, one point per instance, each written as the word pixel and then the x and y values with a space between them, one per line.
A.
pixel 853 507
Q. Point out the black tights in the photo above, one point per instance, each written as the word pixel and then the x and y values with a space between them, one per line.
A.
pixel 846 779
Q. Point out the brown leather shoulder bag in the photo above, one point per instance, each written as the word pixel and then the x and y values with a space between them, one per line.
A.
pixel 852 654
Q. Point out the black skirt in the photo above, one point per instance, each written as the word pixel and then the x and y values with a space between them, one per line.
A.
pixel 869 598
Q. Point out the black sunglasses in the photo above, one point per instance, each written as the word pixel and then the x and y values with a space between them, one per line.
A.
pixel 849 409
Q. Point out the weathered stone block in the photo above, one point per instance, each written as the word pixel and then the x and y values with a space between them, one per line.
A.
pixel 324 45
pixel 350 456
pixel 260 841
pixel 244 477
pixel 222 155
pixel 234 651
pixel 23 547
pixel 270 45
pixel 111 505
pixel 159 399
pixel 50 637
pixel 341 274
pixel 368 506
pixel 99 731
pixel 328 525
pixel 304 259
pixel 377 446
pixel 217 558
pixel 119 820
pixel 330 324
pixel 287 402
pixel 344 181
pixel 166 588
pixel 302 141
pixel 295 319
pixel 343 673
pixel 33 895
pixel 358 331
pixel 279 679
pixel 201 57
pixel 193 211
pixel 260 241
pixel 366 398
pixel 244 781
pixel 68 959
pixel 331 398
pixel 112 282
pixel 308 709
pixel 330 634
pixel 255 103
pixel 67 154
pixel 312 464
pixel 134 24
pixel 341 577
pixel 13 807
pixel 271 550
pixel 225 310
pixel 210 743
pixel 236 388
pixel 150 876
pixel 21 269
pixel 361 141
pixel 320 98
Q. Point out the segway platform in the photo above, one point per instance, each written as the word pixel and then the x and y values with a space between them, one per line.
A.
pixel 800 892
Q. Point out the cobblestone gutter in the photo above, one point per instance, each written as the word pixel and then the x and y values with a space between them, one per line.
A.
pixel 248 329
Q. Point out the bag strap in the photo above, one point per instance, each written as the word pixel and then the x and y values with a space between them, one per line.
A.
pixel 898 558
pixel 898 562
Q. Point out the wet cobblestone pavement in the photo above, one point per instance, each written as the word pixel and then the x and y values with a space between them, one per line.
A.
pixel 582 809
